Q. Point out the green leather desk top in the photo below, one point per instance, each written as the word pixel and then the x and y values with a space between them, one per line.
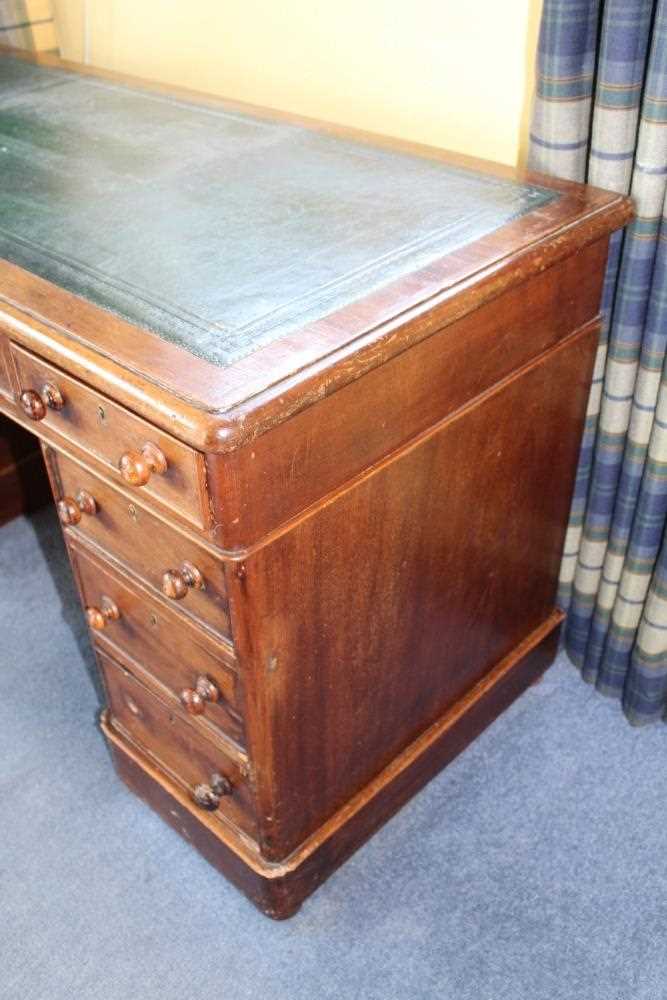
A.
pixel 216 230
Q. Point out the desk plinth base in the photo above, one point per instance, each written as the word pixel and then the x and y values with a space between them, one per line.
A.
pixel 278 889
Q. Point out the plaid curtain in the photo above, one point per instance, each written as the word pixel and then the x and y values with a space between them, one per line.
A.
pixel 600 116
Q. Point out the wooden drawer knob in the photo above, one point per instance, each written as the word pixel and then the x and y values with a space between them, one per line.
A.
pixel 176 582
pixel 137 467
pixel 70 509
pixel 208 796
pixel 194 699
pixel 99 618
pixel 35 404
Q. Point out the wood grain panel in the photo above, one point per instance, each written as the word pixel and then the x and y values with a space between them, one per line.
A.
pixel 368 619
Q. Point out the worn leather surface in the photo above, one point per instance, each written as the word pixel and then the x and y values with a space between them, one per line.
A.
pixel 218 231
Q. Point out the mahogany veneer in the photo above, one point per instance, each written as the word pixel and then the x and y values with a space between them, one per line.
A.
pixel 315 514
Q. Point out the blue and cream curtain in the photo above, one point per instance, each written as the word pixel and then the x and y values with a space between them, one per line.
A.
pixel 600 115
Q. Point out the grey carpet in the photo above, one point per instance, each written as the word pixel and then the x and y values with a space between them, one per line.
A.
pixel 534 867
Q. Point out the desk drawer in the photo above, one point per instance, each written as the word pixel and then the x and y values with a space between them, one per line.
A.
pixel 181 660
pixel 143 542
pixel 178 748
pixel 107 431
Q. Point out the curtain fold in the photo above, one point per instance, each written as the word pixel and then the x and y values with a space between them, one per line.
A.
pixel 600 116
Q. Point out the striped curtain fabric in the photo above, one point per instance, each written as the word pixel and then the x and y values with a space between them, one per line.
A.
pixel 600 115
pixel 28 24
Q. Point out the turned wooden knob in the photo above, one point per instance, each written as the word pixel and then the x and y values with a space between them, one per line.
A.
pixel 208 796
pixel 137 467
pixel 98 618
pixel 35 404
pixel 176 582
pixel 70 509
pixel 194 699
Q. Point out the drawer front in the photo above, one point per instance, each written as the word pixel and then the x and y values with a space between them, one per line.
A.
pixel 188 666
pixel 175 745
pixel 107 431
pixel 146 544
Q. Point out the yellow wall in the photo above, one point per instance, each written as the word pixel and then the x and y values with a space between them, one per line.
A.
pixel 452 73
pixel 27 24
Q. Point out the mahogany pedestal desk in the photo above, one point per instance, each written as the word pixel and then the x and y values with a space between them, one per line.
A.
pixel 310 402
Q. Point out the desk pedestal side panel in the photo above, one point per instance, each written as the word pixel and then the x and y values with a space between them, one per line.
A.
pixel 359 627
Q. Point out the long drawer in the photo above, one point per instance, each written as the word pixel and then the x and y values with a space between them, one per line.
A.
pixel 214 781
pixel 167 559
pixel 174 472
pixel 181 660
